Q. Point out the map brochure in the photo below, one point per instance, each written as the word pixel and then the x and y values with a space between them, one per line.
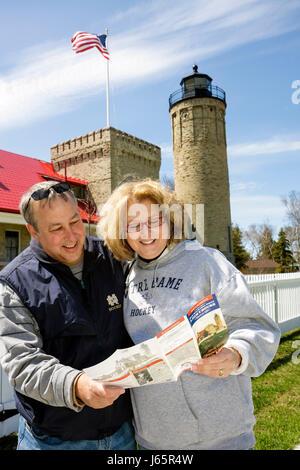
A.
pixel 199 333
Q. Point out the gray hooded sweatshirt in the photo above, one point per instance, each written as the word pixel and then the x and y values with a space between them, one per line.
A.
pixel 197 411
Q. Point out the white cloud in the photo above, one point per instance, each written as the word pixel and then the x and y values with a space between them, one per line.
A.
pixel 270 146
pixel 242 187
pixel 257 209
pixel 248 158
pixel 50 79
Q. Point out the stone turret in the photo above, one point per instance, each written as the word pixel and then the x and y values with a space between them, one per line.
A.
pixel 105 158
pixel 197 113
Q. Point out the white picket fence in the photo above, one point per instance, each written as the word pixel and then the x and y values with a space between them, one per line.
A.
pixel 277 294
pixel 271 277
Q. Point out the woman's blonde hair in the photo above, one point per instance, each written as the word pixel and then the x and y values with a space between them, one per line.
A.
pixel 113 217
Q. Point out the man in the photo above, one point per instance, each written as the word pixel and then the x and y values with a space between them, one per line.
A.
pixel 55 320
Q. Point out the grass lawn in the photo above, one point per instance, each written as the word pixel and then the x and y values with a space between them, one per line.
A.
pixel 276 397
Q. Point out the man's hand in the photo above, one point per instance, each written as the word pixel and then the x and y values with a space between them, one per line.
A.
pixel 218 365
pixel 95 394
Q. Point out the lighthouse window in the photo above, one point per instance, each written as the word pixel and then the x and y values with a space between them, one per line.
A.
pixel 201 82
pixel 229 239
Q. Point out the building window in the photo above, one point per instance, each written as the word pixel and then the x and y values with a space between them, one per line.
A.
pixel 78 191
pixel 229 239
pixel 11 244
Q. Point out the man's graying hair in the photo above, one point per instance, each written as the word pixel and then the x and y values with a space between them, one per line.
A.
pixel 25 205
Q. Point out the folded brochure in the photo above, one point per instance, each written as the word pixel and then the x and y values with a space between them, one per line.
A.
pixel 200 333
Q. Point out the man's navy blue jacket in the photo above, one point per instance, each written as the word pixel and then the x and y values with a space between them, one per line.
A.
pixel 81 324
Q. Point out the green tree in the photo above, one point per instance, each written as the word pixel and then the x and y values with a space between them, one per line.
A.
pixel 292 204
pixel 282 253
pixel 239 251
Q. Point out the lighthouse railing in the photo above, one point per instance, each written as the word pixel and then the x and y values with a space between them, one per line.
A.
pixel 210 91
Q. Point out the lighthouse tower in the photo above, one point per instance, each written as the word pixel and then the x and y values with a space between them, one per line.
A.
pixel 197 113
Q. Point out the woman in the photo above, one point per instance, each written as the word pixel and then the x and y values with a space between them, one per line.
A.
pixel 209 406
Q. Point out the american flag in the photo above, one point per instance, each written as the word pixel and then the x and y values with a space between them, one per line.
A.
pixel 83 41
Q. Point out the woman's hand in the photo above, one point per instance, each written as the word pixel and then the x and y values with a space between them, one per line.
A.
pixel 218 365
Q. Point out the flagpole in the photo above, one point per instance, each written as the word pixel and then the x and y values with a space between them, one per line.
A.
pixel 107 84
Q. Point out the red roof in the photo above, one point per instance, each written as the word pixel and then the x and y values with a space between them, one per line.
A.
pixel 18 173
pixel 261 263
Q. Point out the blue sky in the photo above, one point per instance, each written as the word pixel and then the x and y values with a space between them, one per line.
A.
pixel 251 49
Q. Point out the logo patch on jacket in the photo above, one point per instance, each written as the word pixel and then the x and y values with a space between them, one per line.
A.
pixel 113 302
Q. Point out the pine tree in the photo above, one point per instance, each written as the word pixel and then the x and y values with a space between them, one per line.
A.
pixel 239 251
pixel 282 253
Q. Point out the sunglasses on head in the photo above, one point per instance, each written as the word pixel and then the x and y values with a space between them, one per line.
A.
pixel 43 193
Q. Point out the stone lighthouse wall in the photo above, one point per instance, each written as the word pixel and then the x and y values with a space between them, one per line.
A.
pixel 132 157
pixel 200 165
pixel 105 158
